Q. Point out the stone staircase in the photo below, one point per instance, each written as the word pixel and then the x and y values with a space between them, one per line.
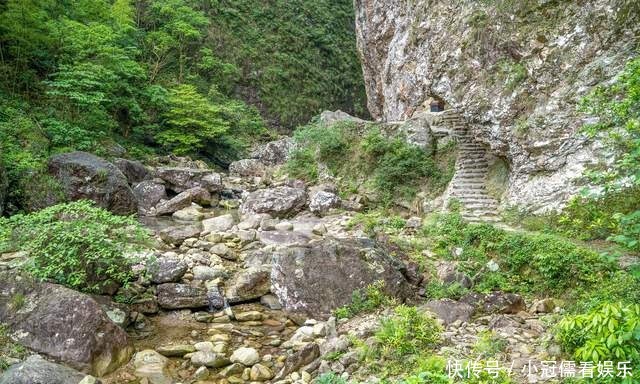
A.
pixel 468 183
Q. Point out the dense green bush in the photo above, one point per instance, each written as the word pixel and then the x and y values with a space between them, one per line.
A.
pixel 407 331
pixel 75 244
pixel 363 158
pixel 365 300
pixel 608 333
pixel 528 262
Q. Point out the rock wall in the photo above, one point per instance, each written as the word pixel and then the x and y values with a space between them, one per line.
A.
pixel 515 70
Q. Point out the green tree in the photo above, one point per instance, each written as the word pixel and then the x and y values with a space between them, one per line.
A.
pixel 193 120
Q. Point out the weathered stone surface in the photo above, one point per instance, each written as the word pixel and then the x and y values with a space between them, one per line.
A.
pixel 184 200
pixel 321 202
pixel 86 176
pixel 245 356
pixel 316 279
pixel 181 179
pixel 178 234
pixel 450 311
pixel 448 274
pixel 517 86
pixel 176 296
pixel 166 270
pixel 54 316
pixel 134 171
pixel 36 370
pixel 274 152
pixel 177 350
pixel 278 202
pixel 331 117
pixel 299 359
pixel 209 359
pixel 148 194
pixel 495 302
pixel 249 284
pixel 247 168
pixel 218 224
pixel 151 365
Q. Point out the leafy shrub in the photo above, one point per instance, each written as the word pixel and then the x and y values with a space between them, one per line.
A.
pixel 489 344
pixel 366 300
pixel 608 333
pixel 330 378
pixel 407 331
pixel 527 262
pixel 362 156
pixel 75 244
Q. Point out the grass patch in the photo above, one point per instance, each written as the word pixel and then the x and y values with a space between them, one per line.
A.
pixel 365 300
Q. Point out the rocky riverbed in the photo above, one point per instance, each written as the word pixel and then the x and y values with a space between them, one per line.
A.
pixel 241 285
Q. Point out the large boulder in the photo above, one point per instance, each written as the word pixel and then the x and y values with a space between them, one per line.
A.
pixel 183 200
pixel 314 280
pixel 274 152
pixel 86 176
pixel 149 193
pixel 178 234
pixel 278 202
pixel 322 201
pixel 249 284
pixel 36 370
pixel 134 171
pixel 177 296
pixel 181 179
pixel 247 167
pixel 166 270
pixel 63 324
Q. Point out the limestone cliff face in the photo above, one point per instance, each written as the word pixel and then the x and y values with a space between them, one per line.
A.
pixel 514 69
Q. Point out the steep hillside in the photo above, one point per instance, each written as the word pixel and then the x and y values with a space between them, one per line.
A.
pixel 515 70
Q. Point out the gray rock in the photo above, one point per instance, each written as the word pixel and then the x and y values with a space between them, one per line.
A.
pixel 86 176
pixel 410 55
pixel 166 270
pixel 274 152
pixel 314 280
pixel 55 316
pixel 209 359
pixel 221 223
pixel 177 296
pixel 151 365
pixel 247 168
pixel 134 171
pixel 328 118
pixel 249 284
pixel 271 302
pixel 178 234
pixel 450 311
pixel 184 200
pixel 448 274
pixel 181 179
pixel 321 202
pixel 149 193
pixel 278 202
pixel 299 359
pixel 36 370
pixel 190 213
pixel 202 272
pixel 245 356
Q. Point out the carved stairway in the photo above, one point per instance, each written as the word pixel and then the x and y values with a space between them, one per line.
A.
pixel 468 185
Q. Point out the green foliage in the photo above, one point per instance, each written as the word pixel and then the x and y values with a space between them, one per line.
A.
pixel 297 57
pixel 489 345
pixel 437 290
pixel 17 301
pixel 330 378
pixel 527 262
pixel 608 333
pixel 362 157
pixel 75 244
pixel 8 348
pixel 407 331
pixel 366 300
pixel 617 107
